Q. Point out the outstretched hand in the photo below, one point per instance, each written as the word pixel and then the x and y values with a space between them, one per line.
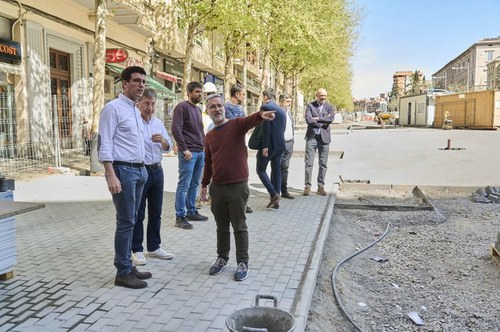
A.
pixel 268 115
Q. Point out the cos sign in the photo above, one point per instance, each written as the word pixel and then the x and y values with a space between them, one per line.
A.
pixel 116 55
pixel 10 51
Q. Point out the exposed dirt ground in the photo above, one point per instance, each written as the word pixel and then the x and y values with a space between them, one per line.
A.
pixel 438 265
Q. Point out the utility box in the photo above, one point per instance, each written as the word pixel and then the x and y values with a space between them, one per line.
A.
pixel 474 110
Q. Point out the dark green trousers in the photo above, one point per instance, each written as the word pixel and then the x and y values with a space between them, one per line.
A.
pixel 228 204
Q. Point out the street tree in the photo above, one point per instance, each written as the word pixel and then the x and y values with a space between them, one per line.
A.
pixel 101 12
pixel 192 16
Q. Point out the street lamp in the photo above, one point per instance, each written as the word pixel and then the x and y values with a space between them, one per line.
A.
pixel 468 72
pixel 440 77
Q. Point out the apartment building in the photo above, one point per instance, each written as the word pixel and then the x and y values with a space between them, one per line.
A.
pixel 46 69
pixel 468 72
pixel 402 81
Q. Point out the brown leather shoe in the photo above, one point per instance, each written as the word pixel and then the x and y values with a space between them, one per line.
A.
pixel 141 275
pixel 321 191
pixel 307 191
pixel 276 206
pixel 287 195
pixel 130 281
pixel 274 199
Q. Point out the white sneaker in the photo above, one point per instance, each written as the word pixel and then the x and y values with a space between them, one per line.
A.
pixel 138 258
pixel 160 253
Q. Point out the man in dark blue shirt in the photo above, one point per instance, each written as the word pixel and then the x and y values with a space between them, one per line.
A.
pixel 273 146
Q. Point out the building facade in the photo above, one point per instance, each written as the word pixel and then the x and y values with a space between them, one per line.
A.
pixel 468 72
pixel 47 69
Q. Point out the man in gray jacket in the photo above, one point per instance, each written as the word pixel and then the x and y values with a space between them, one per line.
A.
pixel 319 116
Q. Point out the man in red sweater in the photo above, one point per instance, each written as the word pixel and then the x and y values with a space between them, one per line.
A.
pixel 226 170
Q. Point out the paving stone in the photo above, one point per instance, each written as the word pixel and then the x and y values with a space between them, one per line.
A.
pixel 181 296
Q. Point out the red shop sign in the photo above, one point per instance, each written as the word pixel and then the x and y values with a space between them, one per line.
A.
pixel 116 55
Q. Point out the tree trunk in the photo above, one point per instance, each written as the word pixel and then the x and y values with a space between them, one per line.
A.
pixel 228 75
pixel 188 59
pixel 99 70
pixel 265 75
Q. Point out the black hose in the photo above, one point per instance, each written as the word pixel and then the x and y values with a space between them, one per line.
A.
pixel 334 276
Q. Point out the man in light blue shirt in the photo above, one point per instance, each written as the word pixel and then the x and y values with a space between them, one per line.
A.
pixel 234 108
pixel 156 142
pixel 122 153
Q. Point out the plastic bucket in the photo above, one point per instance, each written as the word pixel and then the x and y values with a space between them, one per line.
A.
pixel 261 319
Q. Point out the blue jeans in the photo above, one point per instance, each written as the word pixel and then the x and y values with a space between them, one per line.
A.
pixel 126 204
pixel 273 184
pixel 189 180
pixel 153 195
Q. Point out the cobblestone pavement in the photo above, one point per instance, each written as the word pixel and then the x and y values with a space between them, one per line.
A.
pixel 64 275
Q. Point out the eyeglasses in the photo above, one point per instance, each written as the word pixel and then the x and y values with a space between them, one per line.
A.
pixel 138 81
pixel 214 106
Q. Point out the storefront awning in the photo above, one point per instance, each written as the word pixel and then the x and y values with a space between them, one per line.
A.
pixel 162 91
pixel 168 77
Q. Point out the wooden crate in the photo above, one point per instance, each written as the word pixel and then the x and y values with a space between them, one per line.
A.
pixel 7 276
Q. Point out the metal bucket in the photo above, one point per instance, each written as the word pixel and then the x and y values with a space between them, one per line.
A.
pixel 261 319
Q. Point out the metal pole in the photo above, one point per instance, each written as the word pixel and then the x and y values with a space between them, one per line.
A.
pixel 245 77
pixel 468 75
pixel 57 145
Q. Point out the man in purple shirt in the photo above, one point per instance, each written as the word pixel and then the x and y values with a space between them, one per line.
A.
pixel 187 129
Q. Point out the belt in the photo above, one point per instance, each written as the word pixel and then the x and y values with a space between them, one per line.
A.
pixel 124 163
pixel 153 166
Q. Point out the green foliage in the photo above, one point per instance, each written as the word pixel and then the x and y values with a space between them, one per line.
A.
pixel 311 40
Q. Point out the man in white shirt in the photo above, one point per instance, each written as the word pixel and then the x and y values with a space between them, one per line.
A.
pixel 121 151
pixel 285 101
pixel 156 142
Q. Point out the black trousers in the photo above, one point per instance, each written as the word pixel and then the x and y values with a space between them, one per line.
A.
pixel 228 205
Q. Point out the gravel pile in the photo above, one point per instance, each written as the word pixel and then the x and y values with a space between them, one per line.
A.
pixel 438 268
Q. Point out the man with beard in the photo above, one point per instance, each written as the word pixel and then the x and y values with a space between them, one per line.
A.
pixel 226 170
pixel 187 129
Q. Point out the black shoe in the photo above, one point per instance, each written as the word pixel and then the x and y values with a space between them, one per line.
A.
pixel 287 195
pixel 196 217
pixel 183 223
pixel 249 210
pixel 141 275
pixel 276 206
pixel 130 281
pixel 274 199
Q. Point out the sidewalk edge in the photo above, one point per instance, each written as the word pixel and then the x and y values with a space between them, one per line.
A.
pixel 304 296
